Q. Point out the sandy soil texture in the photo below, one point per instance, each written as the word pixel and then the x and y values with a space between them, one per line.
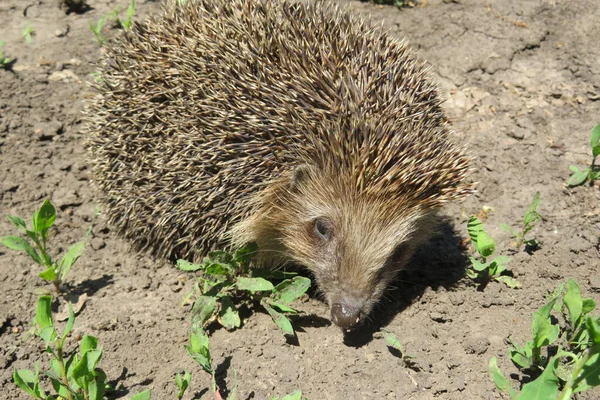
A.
pixel 522 81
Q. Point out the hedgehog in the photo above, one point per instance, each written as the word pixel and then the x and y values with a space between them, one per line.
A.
pixel 297 126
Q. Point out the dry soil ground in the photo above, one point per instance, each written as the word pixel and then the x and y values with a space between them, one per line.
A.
pixel 523 85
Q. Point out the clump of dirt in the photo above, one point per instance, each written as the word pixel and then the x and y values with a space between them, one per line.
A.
pixel 522 85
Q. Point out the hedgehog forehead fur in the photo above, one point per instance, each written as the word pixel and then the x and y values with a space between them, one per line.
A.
pixel 204 113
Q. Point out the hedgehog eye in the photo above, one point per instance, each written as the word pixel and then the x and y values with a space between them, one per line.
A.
pixel 323 229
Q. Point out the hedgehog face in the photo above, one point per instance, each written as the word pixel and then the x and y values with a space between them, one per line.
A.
pixel 353 244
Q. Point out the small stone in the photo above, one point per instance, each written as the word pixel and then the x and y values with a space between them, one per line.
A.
pixel 62 31
pixel 48 130
pixel 65 76
pixel 476 345
pixel 97 243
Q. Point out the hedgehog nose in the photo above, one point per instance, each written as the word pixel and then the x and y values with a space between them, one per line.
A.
pixel 345 316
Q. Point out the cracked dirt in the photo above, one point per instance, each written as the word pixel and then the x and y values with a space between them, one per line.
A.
pixel 522 81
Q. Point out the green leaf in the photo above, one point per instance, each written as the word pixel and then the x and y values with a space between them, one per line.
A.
pixel 188 266
pixel 245 255
pixel 68 326
pixel 502 260
pixel 522 355
pixel 282 307
pixel 544 333
pixel 183 382
pixel 478 265
pixel 297 395
pixel 44 218
pixel 97 386
pixel 531 215
pixel 573 302
pixel 472 274
pixel 84 370
pixel 593 328
pixel 485 245
pixel 545 387
pixel 590 373
pixel 20 244
pixel 284 324
pixel 573 168
pixel 474 227
pixel 392 340
pixel 44 312
pixel 587 305
pixel 499 379
pixel 145 395
pixel 254 284
pixel 290 289
pixel 203 310
pixel 230 317
pixel 69 259
pixel 88 343
pixel 220 257
pixel 17 221
pixel 595 138
pixel 508 281
pixel 219 270
pixel 29 381
pixel 198 349
pixel 578 178
pixel 48 275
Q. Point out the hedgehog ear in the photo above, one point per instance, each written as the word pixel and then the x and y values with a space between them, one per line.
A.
pixel 300 174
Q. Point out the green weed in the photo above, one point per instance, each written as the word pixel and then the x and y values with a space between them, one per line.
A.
pixel 42 221
pixel 98 27
pixel 394 342
pixel 564 356
pixel 485 269
pixel 128 21
pixel 529 220
pixel 4 61
pixel 183 382
pixel 199 350
pixel 28 33
pixel 591 173
pixel 73 377
pixel 227 280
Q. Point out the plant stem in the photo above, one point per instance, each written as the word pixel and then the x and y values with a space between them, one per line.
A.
pixel 565 394
pixel 63 371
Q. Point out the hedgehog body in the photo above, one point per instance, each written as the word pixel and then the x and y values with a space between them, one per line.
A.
pixel 297 126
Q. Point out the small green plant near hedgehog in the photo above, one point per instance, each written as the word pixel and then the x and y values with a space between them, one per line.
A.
pixel 227 280
pixel 42 220
pixel 199 349
pixel 183 382
pixel 4 61
pixel 74 375
pixel 485 269
pixel 98 27
pixel 530 219
pixel 395 343
pixel 592 173
pixel 28 33
pixel 564 357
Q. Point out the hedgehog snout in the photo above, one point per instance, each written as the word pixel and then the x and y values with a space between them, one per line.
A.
pixel 347 312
